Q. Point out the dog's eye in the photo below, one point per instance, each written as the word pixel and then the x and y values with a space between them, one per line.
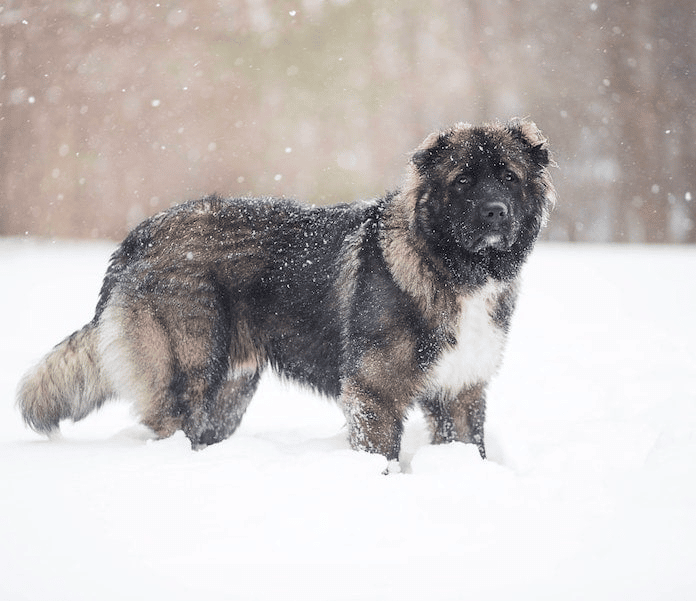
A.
pixel 510 176
pixel 465 180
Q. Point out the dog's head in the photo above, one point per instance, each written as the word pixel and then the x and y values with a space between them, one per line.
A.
pixel 482 188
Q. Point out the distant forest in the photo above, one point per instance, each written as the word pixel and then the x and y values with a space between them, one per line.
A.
pixel 113 110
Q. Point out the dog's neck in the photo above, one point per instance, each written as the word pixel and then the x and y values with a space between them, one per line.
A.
pixel 416 270
pixel 435 284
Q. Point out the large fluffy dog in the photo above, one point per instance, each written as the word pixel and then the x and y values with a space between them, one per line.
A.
pixel 383 305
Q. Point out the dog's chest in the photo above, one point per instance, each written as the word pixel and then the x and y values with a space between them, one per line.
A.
pixel 479 343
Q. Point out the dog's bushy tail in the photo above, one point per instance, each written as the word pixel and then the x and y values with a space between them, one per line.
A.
pixel 66 384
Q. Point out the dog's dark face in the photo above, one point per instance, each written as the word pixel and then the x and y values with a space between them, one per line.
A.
pixel 483 188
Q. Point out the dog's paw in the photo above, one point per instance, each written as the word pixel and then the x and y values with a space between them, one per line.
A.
pixel 393 467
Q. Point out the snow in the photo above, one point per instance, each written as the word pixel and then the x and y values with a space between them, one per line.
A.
pixel 588 493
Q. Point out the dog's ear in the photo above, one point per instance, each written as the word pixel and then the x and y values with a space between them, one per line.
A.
pixel 430 151
pixel 531 137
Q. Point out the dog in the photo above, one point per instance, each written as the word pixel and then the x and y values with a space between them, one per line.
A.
pixel 384 305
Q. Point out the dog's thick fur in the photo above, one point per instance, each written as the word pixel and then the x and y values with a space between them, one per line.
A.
pixel 383 305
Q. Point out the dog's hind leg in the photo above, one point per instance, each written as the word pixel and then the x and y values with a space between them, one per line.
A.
pixel 173 360
pixel 214 380
pixel 137 359
pixel 219 415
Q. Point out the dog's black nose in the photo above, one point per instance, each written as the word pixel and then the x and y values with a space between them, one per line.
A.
pixel 494 212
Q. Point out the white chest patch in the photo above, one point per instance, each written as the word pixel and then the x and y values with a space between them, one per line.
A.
pixel 476 355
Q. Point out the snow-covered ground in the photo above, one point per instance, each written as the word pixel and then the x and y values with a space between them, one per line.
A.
pixel 589 493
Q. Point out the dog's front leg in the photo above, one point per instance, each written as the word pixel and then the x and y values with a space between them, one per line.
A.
pixel 375 423
pixel 461 419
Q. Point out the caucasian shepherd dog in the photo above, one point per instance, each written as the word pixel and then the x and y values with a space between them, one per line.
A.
pixel 383 305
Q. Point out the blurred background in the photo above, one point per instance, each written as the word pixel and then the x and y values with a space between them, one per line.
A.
pixel 113 110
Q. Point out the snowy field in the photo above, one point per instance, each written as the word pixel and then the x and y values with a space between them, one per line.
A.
pixel 589 493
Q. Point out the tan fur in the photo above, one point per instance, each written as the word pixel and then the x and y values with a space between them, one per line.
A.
pixel 67 384
pixel 137 363
pixel 373 426
pixel 451 419
pixel 403 249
